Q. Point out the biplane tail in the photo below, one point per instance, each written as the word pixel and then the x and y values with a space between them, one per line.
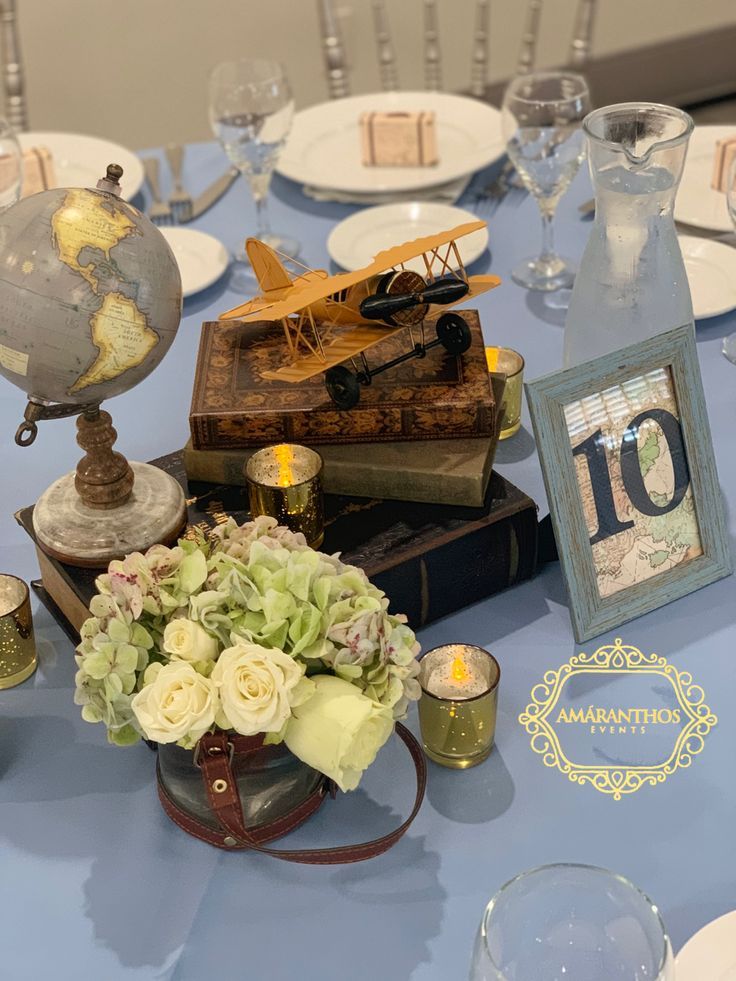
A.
pixel 269 269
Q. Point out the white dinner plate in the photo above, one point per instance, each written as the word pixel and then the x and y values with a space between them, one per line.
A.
pixel 80 161
pixel 711 272
pixel 323 148
pixel 201 258
pixel 697 203
pixel 353 243
pixel 711 954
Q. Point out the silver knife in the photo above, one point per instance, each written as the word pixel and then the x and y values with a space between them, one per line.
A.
pixel 214 192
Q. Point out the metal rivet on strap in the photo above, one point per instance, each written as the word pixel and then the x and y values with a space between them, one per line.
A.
pixel 219 786
pixel 228 840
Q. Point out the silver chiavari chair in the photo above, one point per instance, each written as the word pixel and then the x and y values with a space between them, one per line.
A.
pixel 582 35
pixel 333 50
pixel 479 69
pixel 384 48
pixel 336 63
pixel 432 56
pixel 580 44
pixel 529 39
pixel 337 68
pixel 13 79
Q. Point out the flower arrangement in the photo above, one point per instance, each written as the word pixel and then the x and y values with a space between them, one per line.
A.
pixel 251 630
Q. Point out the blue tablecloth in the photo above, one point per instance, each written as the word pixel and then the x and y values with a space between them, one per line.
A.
pixel 96 883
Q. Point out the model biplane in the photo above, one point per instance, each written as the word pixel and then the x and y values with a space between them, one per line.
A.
pixel 328 320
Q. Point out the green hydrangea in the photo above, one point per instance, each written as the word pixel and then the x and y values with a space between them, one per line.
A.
pixel 258 583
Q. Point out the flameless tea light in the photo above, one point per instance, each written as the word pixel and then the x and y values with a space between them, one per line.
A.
pixel 285 482
pixel 510 365
pixel 17 645
pixel 457 711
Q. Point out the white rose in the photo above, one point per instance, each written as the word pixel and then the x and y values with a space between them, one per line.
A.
pixel 339 730
pixel 186 640
pixel 177 703
pixel 258 687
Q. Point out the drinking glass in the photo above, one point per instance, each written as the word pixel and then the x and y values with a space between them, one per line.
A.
pixel 571 923
pixel 11 166
pixel 251 109
pixel 541 117
pixel 729 343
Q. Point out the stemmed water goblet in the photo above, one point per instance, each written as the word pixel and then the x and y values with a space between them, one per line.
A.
pixel 251 110
pixel 729 343
pixel 541 117
pixel 574 922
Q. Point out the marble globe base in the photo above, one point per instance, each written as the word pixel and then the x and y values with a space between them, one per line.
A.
pixel 71 532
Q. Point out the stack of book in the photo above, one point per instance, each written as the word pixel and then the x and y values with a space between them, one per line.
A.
pixel 423 431
pixel 410 493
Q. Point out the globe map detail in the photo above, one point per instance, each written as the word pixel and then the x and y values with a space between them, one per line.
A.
pixel 90 295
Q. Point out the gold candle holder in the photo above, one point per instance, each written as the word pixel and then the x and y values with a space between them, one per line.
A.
pixel 510 366
pixel 457 710
pixel 17 645
pixel 285 482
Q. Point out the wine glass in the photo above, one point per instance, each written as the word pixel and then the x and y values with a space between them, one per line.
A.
pixel 251 109
pixel 11 166
pixel 574 922
pixel 729 343
pixel 541 116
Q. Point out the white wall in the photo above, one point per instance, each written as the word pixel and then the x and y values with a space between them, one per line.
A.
pixel 135 70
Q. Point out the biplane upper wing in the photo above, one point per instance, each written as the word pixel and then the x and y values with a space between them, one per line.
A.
pixel 301 296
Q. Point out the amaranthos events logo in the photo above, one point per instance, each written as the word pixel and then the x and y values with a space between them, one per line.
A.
pixel 617 719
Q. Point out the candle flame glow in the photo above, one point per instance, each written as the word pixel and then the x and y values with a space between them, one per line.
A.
pixel 285 459
pixel 459 670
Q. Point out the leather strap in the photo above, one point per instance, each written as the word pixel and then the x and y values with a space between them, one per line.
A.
pixel 215 753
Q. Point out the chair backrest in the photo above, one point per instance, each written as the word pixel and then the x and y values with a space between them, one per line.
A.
pixel 338 75
pixel 582 35
pixel 13 80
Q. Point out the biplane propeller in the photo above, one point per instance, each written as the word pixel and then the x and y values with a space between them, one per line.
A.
pixel 329 320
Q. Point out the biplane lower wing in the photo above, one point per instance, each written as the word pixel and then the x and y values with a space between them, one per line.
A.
pixel 346 344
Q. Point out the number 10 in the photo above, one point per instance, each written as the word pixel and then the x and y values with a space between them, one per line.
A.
pixel 594 452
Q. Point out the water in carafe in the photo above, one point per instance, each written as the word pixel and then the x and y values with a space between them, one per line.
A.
pixel 632 282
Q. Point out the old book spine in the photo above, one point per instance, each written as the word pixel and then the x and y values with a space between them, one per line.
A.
pixel 360 425
pixel 355 478
pixel 70 604
pixel 463 571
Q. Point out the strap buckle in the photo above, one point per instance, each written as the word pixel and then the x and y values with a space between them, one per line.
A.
pixel 212 751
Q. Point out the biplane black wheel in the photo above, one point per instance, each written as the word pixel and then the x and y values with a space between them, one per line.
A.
pixel 453 333
pixel 342 387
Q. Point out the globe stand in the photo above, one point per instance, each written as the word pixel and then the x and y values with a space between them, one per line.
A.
pixel 107 507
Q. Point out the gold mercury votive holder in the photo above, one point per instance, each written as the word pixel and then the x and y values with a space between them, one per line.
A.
pixel 508 364
pixel 17 644
pixel 285 482
pixel 457 710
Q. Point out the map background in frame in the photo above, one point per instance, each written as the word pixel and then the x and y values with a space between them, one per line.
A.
pixel 653 543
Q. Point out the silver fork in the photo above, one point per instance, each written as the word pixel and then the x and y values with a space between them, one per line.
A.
pixel 505 184
pixel 159 212
pixel 180 201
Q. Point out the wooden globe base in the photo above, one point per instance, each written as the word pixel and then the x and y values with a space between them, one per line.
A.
pixel 71 531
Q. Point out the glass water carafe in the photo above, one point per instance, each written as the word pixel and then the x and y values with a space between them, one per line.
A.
pixel 632 282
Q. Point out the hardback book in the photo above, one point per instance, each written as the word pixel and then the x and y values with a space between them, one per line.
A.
pixel 443 471
pixel 440 396
pixel 446 471
pixel 430 559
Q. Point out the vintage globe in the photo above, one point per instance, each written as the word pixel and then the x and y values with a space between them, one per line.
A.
pixel 90 301
pixel 90 295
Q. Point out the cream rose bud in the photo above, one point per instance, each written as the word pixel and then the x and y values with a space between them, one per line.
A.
pixel 339 730
pixel 185 640
pixel 178 702
pixel 257 687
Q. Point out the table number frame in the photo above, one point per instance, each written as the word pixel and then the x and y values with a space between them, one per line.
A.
pixel 592 613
